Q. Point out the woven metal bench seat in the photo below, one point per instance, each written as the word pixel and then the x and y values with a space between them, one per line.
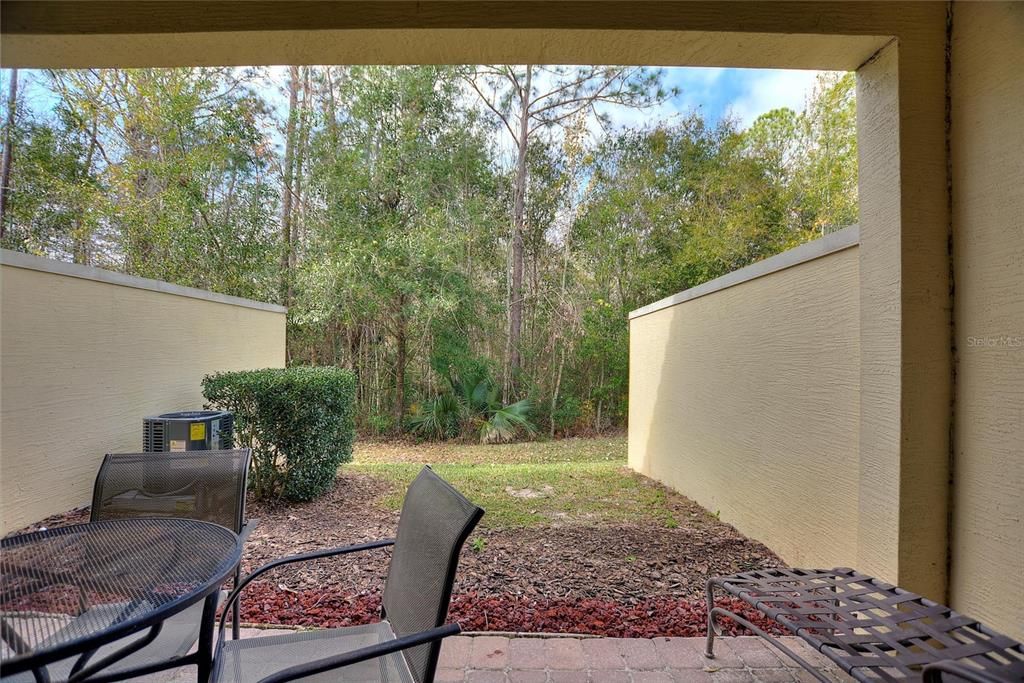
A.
pixel 873 630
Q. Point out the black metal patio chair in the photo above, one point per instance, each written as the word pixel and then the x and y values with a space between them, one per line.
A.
pixel 401 648
pixel 206 485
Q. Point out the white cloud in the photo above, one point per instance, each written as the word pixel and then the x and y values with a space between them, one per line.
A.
pixel 743 94
pixel 764 90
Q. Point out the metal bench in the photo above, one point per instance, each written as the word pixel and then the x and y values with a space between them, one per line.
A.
pixel 872 630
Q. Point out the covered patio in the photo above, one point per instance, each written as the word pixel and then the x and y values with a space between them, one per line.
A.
pixel 857 403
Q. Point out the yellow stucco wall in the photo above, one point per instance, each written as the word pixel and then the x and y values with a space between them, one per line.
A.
pixel 83 361
pixel 987 145
pixel 747 401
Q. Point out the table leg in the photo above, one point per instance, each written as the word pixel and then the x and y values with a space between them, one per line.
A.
pixel 206 639
pixel 709 647
pixel 236 608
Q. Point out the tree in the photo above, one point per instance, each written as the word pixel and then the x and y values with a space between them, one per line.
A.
pixel 295 136
pixel 157 172
pixel 528 99
pixel 829 168
pixel 391 235
pixel 8 156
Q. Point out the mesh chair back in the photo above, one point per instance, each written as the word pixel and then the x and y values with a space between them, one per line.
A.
pixel 436 520
pixel 204 485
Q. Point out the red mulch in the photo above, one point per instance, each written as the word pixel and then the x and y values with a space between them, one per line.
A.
pixel 657 617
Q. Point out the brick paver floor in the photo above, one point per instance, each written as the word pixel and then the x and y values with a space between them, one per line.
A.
pixel 499 659
pixel 539 659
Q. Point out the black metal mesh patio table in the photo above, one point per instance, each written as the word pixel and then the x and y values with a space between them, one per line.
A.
pixel 67 594
pixel 874 631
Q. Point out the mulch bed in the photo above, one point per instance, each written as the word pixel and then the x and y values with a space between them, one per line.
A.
pixel 623 562
pixel 623 580
pixel 648 618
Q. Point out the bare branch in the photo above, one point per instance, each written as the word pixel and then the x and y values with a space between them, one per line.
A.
pixel 493 108
pixel 555 120
pixel 595 95
pixel 511 75
pixel 563 88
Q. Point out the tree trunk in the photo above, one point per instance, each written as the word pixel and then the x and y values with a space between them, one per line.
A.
pixel 332 109
pixel 401 343
pixel 81 241
pixel 8 159
pixel 302 143
pixel 287 233
pixel 558 387
pixel 142 252
pixel 515 303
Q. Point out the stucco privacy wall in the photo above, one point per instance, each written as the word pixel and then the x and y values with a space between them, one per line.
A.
pixel 86 354
pixel 987 145
pixel 746 399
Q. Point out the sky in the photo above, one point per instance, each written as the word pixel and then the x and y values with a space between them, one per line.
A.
pixel 716 93
pixel 742 93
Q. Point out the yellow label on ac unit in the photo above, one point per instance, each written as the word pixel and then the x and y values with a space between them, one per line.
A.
pixel 197 431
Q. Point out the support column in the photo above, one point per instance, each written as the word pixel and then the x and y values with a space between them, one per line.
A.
pixel 905 313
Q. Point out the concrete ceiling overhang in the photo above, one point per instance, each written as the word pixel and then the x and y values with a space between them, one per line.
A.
pixel 79 34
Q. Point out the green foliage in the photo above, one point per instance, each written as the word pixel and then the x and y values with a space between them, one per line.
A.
pixel 380 423
pixel 438 418
pixel 159 172
pixel 403 178
pixel 480 398
pixel 400 260
pixel 566 414
pixel 505 422
pixel 472 402
pixel 828 174
pixel 298 422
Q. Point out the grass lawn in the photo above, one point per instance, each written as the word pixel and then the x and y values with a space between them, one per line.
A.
pixel 531 484
pixel 603 449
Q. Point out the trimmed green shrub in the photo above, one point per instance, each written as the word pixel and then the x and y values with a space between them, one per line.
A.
pixel 299 423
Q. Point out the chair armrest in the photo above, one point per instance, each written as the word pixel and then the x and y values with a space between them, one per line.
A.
pixel 247 529
pixel 362 654
pixel 292 559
